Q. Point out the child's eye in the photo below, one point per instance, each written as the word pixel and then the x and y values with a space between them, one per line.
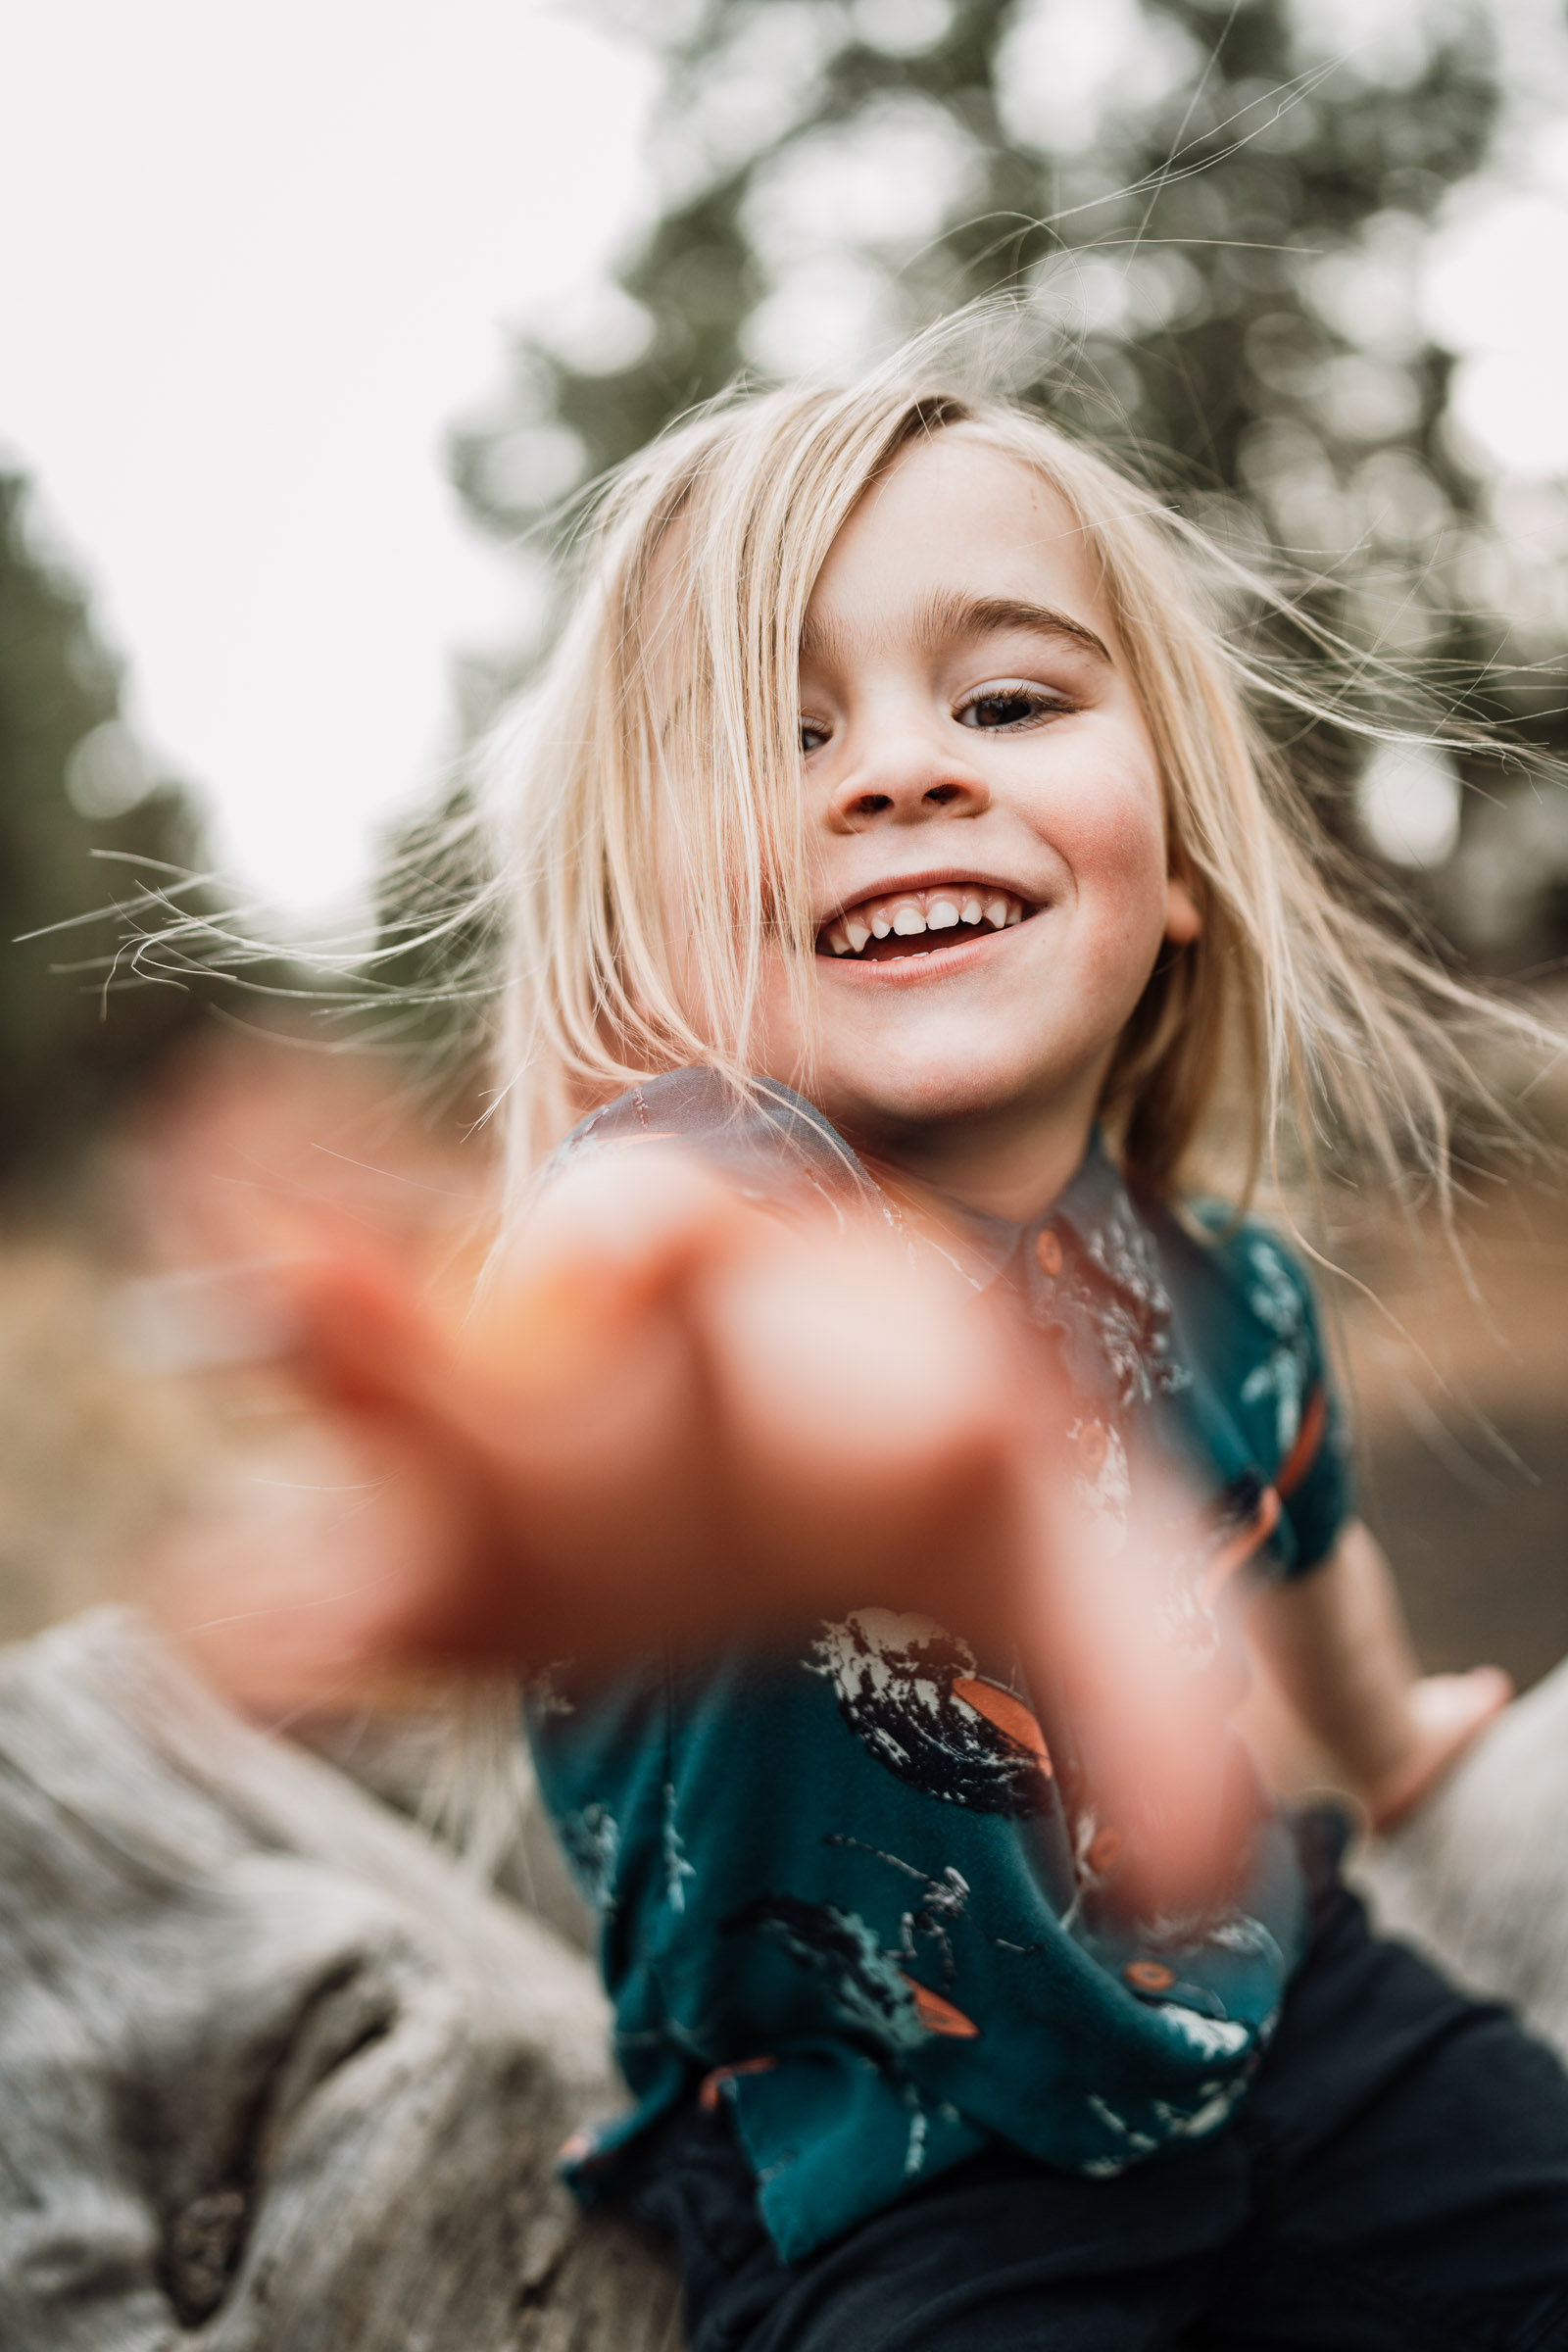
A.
pixel 813 734
pixel 993 708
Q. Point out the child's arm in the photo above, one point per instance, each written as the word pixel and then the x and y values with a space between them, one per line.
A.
pixel 678 1421
pixel 1334 1642
pixel 669 1418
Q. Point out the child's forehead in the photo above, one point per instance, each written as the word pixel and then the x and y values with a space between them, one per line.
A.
pixel 955 522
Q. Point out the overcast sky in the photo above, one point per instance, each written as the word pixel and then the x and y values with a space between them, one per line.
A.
pixel 260 259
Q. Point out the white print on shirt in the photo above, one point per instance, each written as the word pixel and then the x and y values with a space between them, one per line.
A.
pixel 870 1988
pixel 542 1694
pixel 1238 1933
pixel 592 1840
pixel 920 2130
pixel 913 1694
pixel 1209 2036
pixel 1282 1374
pixel 1138 2143
pixel 1102 1483
pixel 677 1870
pixel 1218 2101
pixel 944 1900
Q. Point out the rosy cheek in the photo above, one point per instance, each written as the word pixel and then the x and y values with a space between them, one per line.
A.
pixel 1115 848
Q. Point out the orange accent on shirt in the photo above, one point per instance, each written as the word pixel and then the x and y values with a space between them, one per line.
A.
pixel 1149 1975
pixel 1008 1714
pixel 1240 1548
pixel 714 2083
pixel 1047 1251
pixel 1105 1851
pixel 939 2016
pixel 1308 1438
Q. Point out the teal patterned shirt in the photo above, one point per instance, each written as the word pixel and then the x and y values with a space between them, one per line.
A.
pixel 862 1896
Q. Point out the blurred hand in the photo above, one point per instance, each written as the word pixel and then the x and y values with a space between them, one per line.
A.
pixel 672 1420
pixel 1444 1714
pixel 669 1418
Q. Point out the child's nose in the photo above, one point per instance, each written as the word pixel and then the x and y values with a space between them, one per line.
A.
pixel 902 777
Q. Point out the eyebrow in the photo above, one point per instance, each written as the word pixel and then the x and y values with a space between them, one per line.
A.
pixel 951 615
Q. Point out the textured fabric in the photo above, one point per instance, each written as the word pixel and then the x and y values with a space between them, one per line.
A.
pixel 862 1897
pixel 1396 2182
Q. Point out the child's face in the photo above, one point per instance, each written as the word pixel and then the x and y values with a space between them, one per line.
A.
pixel 972 753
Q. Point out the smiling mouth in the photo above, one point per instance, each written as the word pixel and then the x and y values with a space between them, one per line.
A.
pixel 895 925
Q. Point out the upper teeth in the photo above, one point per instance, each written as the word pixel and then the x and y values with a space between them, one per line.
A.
pixel 908 911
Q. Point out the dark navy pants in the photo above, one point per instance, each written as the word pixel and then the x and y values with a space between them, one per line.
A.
pixel 1397 2177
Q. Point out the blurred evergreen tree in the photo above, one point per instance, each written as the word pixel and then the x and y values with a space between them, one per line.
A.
pixel 73 780
pixel 1217 219
pixel 1224 234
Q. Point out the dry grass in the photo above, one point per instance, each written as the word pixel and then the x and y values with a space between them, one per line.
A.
pixel 92 1454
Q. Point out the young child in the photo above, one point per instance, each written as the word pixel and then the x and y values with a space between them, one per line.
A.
pixel 898 841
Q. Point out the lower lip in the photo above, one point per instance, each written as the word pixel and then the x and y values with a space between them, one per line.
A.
pixel 936 963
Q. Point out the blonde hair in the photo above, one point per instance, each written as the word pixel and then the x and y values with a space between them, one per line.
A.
pixel 663 743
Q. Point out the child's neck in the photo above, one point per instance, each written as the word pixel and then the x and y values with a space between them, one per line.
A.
pixel 1011 1165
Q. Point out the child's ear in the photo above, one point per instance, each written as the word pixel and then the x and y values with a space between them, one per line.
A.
pixel 1183 922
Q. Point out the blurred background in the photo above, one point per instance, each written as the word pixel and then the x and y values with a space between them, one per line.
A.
pixel 313 320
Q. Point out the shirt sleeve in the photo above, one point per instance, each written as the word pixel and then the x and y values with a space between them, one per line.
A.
pixel 1290 1403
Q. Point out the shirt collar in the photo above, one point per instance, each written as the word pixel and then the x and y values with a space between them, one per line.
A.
pixel 1085 1268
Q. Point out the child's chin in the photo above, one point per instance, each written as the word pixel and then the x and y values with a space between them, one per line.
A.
pixel 933 1088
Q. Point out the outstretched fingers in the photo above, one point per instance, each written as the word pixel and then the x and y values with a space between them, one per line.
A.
pixel 873 1446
